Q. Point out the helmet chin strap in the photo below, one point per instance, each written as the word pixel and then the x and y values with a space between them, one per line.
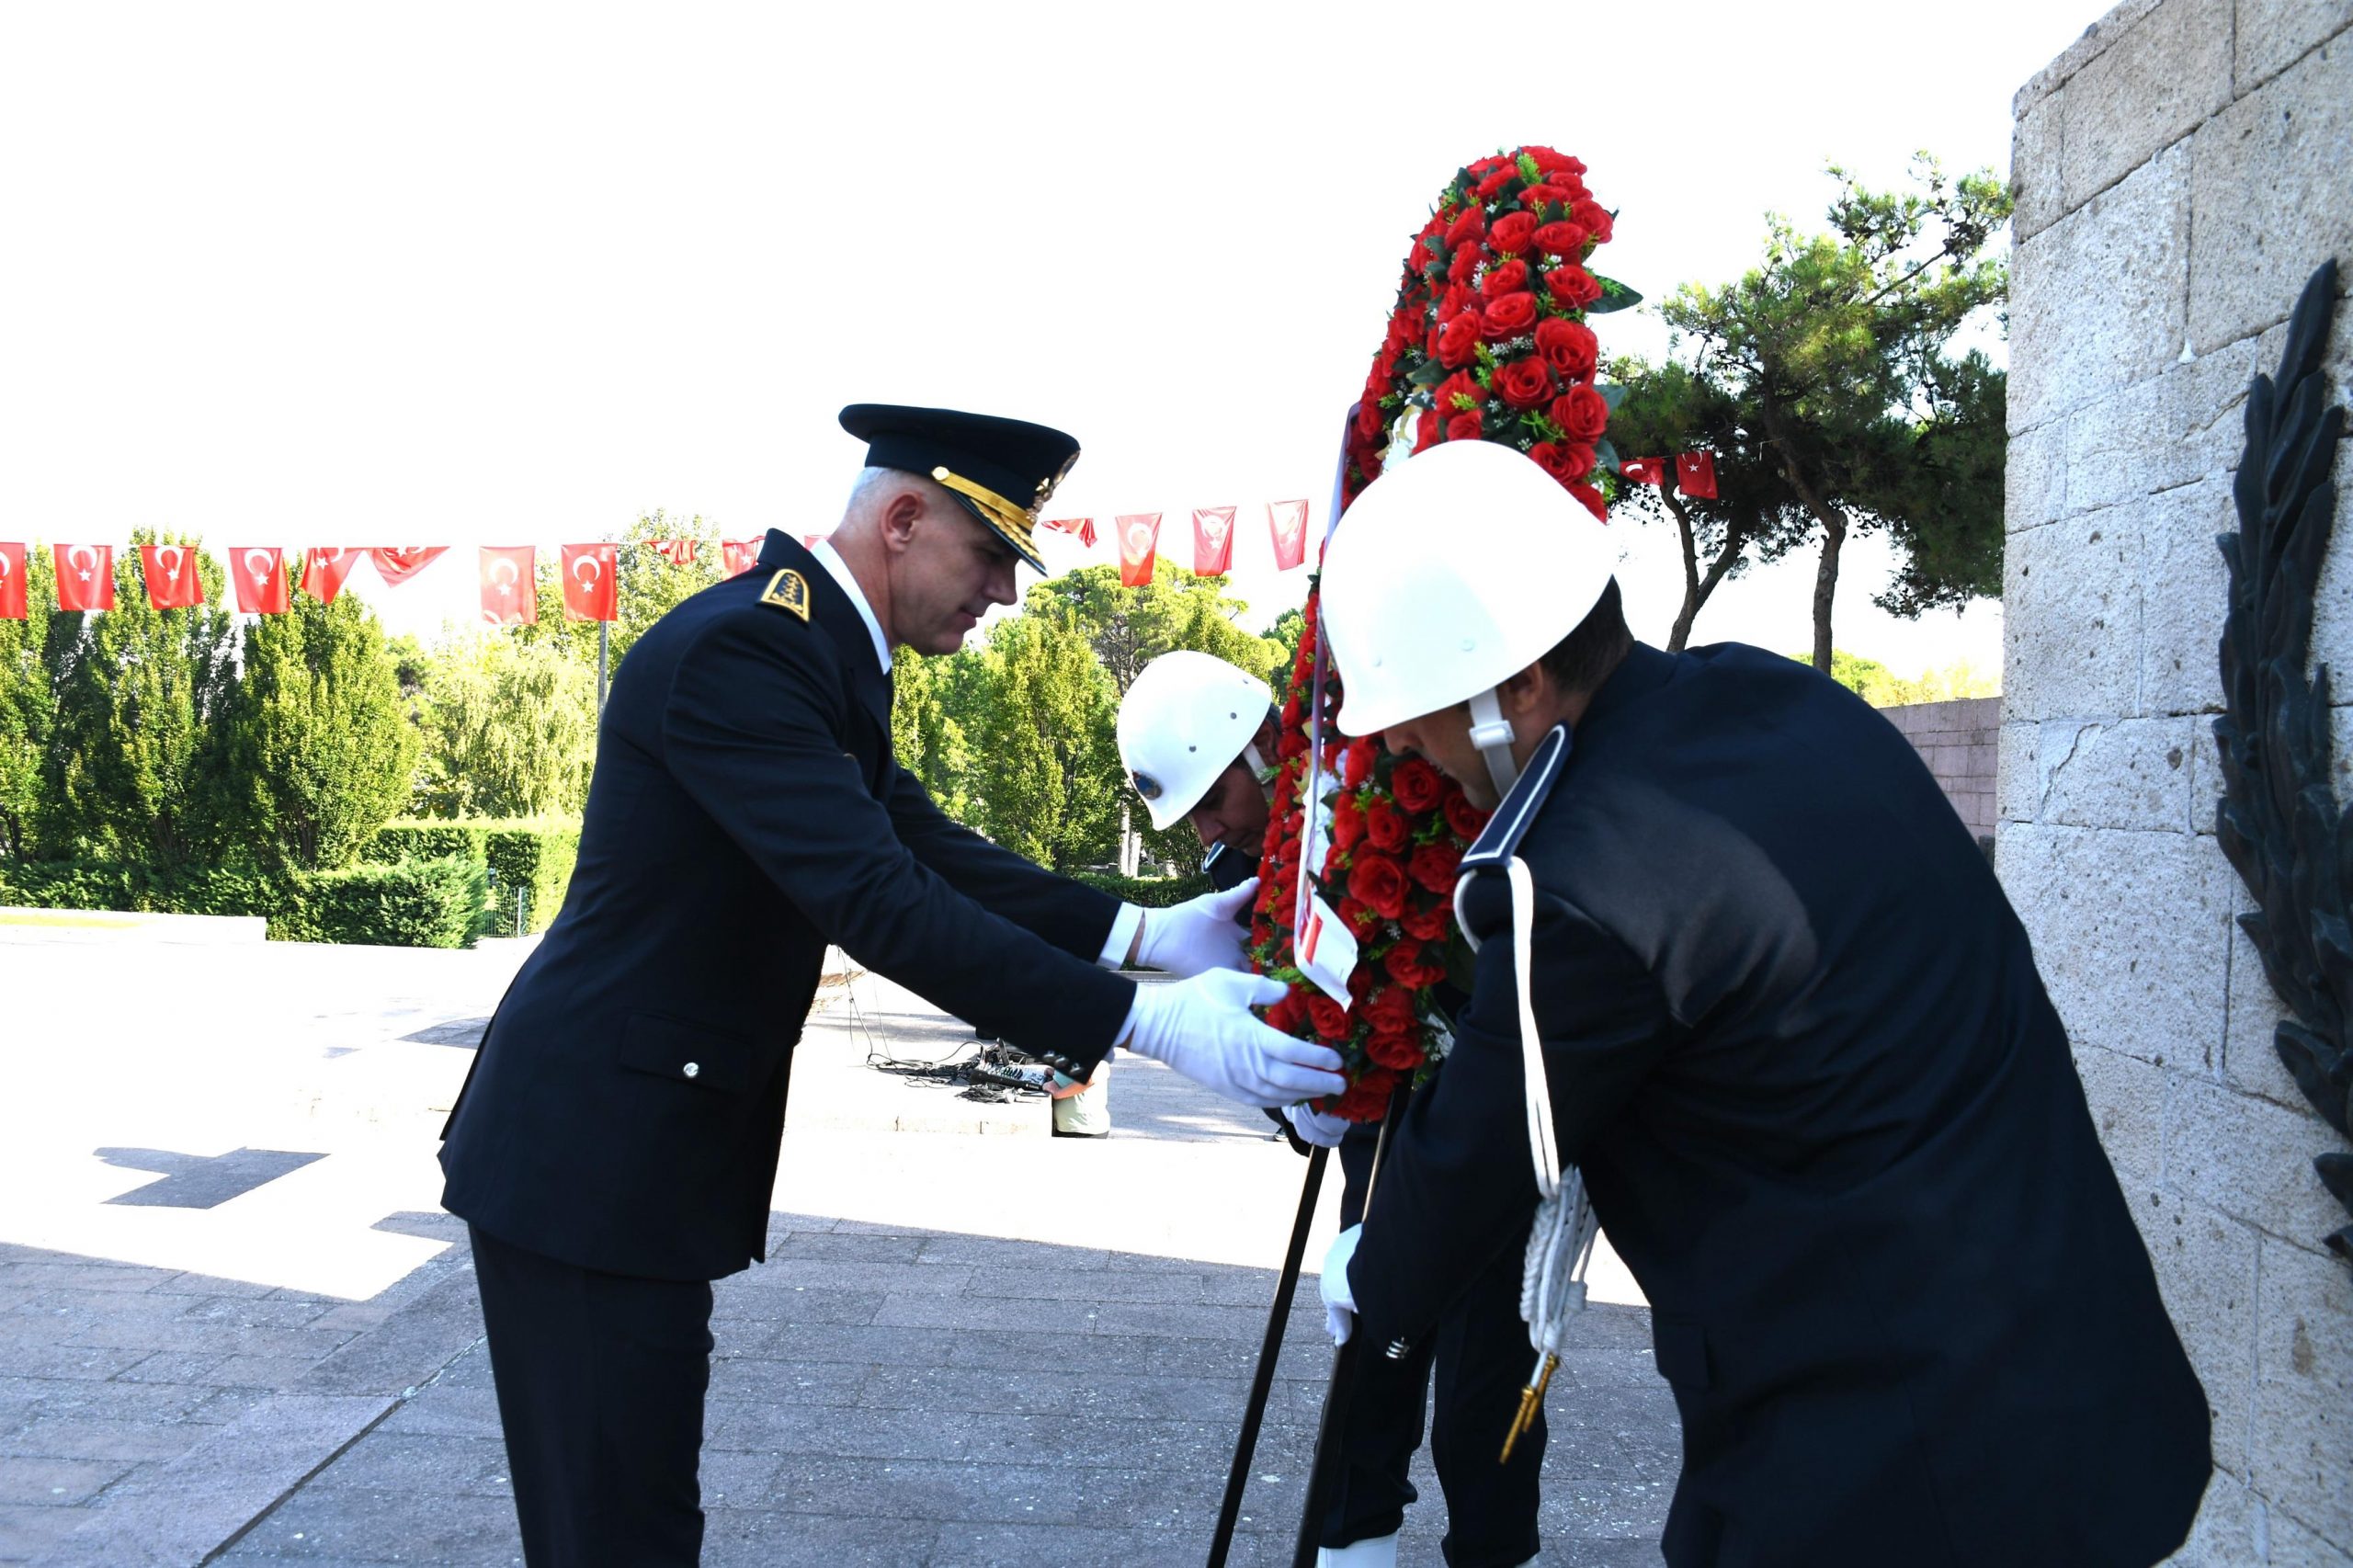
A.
pixel 1255 762
pixel 1491 733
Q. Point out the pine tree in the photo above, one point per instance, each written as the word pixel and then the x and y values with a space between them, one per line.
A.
pixel 27 703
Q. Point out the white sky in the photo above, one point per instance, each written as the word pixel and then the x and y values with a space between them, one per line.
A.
pixel 496 274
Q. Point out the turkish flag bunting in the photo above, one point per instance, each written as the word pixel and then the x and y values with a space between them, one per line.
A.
pixel 260 577
pixel 1695 474
pixel 1212 540
pixel 12 582
pixel 742 554
pixel 1642 470
pixel 397 563
pixel 85 577
pixel 589 586
pixel 1286 521
pixel 170 571
pixel 324 571
pixel 1083 526
pixel 509 593
pixel 676 552
pixel 1139 542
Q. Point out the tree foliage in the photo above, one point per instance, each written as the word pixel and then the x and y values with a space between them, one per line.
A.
pixel 27 703
pixel 510 728
pixel 1051 785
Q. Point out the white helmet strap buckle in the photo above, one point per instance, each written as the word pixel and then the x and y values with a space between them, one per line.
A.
pixel 1492 733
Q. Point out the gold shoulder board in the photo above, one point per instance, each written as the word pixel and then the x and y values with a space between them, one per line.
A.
pixel 789 590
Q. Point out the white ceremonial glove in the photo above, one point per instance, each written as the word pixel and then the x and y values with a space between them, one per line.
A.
pixel 1314 1126
pixel 1200 934
pixel 1339 1302
pixel 1202 1027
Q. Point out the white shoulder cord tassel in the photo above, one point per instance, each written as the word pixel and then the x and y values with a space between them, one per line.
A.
pixel 1559 1243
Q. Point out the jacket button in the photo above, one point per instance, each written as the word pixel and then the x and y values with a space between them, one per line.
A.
pixel 692 1068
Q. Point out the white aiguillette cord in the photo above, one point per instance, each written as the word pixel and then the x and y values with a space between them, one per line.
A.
pixel 1560 1242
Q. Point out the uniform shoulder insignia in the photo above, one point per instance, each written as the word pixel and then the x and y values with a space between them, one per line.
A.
pixel 788 590
pixel 1500 839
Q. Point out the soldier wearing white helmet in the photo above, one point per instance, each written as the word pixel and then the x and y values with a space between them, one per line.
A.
pixel 1196 736
pixel 1746 977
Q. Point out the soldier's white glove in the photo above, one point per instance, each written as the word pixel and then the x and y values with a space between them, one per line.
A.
pixel 1313 1127
pixel 1339 1301
pixel 1200 934
pixel 1203 1027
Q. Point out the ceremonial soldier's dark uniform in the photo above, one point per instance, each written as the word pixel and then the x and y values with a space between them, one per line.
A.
pixel 1824 1111
pixel 616 1145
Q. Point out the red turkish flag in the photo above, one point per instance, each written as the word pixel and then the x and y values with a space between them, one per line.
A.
pixel 85 577
pixel 260 577
pixel 1642 470
pixel 510 593
pixel 1083 526
pixel 742 554
pixel 589 590
pixel 1287 522
pixel 12 582
pixel 1139 542
pixel 170 572
pixel 324 571
pixel 397 563
pixel 1695 474
pixel 676 552
pixel 1212 540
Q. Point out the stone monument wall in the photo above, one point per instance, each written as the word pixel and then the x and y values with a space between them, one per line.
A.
pixel 2181 171
pixel 1957 740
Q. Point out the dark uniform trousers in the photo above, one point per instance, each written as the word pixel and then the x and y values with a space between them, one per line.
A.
pixel 615 1148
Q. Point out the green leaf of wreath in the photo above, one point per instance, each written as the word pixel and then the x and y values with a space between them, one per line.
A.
pixel 1430 375
pixel 1615 296
pixel 1605 455
pixel 1612 395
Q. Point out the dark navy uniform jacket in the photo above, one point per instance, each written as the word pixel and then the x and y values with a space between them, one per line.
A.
pixel 625 1110
pixel 1826 1114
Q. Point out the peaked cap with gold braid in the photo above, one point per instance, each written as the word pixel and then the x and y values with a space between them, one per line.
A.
pixel 1002 470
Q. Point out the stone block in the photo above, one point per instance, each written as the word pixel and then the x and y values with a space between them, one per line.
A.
pixel 2098 300
pixel 2187 423
pixel 2129 934
pixel 2036 167
pixel 2071 620
pixel 2205 1264
pixel 2093 41
pixel 2151 87
pixel 2302 1453
pixel 2249 1157
pixel 2130 773
pixel 2270 191
pixel 2186 591
pixel 2128 1101
pixel 2205 774
pixel 2250 1061
pixel 2017 793
pixel 2275 34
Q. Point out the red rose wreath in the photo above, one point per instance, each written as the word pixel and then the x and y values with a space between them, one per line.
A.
pixel 1487 342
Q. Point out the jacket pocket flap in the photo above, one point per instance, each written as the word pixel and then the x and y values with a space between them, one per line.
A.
pixel 1680 1350
pixel 684 1052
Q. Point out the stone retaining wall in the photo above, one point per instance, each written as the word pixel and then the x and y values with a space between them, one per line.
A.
pixel 1958 741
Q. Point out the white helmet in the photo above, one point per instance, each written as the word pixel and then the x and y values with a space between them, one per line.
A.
pixel 1453 572
pixel 1186 719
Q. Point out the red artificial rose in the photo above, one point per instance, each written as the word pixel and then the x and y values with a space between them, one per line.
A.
pixel 1561 239
pixel 1289 1013
pixel 1368 415
pixel 1524 383
pixel 1384 829
pixel 1593 501
pixel 1358 919
pixel 1331 1019
pixel 1495 179
pixel 1595 221
pixel 1569 347
pixel 1456 387
pixel 1402 1051
pixel 1429 924
pixel 1548 161
pixel 1379 883
pixel 1512 232
pixel 1554 457
pixel 1457 299
pixel 1465 263
pixel 1355 764
pixel 1434 865
pixel 1572 286
pixel 1368 1097
pixel 1458 341
pixel 1582 411
pixel 1467 820
pixel 1416 785
pixel 1468 229
pixel 1409 963
pixel 1504 279
pixel 1294 742
pixel 1508 315
pixel 1390 1010
pixel 1426 431
pixel 1348 823
pixel 1463 427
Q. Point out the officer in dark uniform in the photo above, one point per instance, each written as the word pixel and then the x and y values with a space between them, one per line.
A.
pixel 616 1145
pixel 1784 1022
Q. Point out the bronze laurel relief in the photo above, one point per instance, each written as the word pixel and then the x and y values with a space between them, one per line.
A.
pixel 2279 817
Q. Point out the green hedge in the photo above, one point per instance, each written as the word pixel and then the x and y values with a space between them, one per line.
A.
pixel 426 903
pixel 536 855
pixel 1153 893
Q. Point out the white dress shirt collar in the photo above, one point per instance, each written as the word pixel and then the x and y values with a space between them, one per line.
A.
pixel 838 570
